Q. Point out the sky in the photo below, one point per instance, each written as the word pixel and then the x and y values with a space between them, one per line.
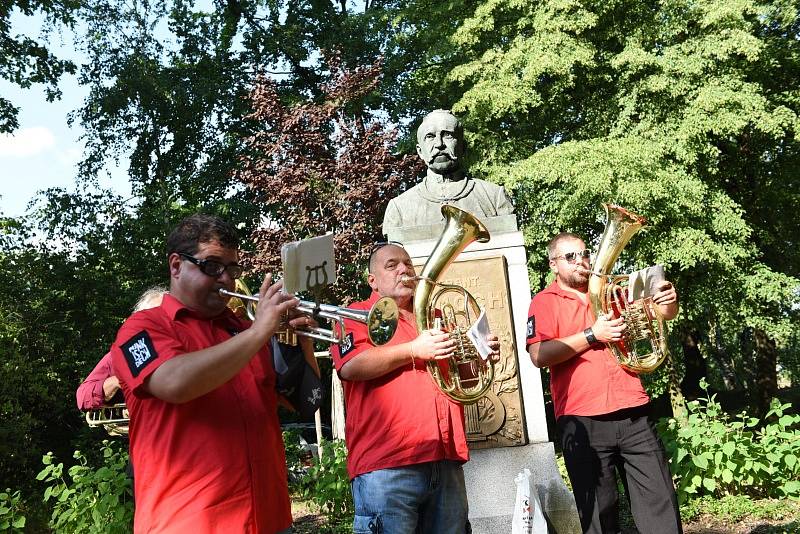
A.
pixel 44 151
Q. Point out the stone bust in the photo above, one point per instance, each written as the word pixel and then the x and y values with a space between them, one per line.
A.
pixel 440 144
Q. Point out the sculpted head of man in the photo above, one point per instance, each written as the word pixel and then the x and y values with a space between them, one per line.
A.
pixel 440 142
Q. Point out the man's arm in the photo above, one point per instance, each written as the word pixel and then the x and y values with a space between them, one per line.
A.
pixel 380 360
pixel 554 351
pixel 92 393
pixel 188 376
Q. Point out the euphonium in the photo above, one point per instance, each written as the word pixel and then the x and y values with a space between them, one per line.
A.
pixel 643 346
pixel 463 376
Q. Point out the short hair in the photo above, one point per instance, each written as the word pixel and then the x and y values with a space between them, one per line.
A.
pixel 459 131
pixel 201 228
pixel 561 236
pixel 376 248
pixel 150 298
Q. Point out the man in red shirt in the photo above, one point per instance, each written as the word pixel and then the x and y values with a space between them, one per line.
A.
pixel 405 438
pixel 601 409
pixel 200 388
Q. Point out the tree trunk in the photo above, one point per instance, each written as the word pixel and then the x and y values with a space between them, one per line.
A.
pixel 695 365
pixel 766 356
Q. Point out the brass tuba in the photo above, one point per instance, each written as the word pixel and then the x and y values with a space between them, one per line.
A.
pixel 643 346
pixel 463 376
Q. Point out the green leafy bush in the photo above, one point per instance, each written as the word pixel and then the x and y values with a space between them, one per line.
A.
pixel 717 455
pixel 11 517
pixel 94 500
pixel 297 459
pixel 327 485
pixel 736 508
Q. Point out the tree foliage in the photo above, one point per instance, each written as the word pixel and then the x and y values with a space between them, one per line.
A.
pixel 685 112
pixel 323 167
pixel 25 61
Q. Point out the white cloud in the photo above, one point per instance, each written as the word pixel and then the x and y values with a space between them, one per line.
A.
pixel 26 142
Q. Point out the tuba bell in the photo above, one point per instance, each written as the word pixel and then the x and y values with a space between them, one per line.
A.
pixel 463 376
pixel 643 346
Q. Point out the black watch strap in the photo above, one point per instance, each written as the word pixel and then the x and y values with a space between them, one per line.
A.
pixel 590 336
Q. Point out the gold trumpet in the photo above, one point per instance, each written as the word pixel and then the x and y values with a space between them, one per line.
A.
pixel 113 418
pixel 381 319
pixel 463 376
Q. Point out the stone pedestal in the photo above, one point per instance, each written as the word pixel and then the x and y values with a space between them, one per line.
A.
pixel 490 472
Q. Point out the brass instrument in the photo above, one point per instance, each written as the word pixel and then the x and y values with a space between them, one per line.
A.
pixel 381 319
pixel 463 376
pixel 643 346
pixel 113 418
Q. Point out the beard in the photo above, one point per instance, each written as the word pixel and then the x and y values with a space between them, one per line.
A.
pixel 578 280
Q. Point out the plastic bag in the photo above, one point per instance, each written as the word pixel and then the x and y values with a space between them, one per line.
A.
pixel 528 517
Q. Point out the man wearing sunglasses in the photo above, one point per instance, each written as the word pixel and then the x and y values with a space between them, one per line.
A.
pixel 601 409
pixel 406 440
pixel 200 388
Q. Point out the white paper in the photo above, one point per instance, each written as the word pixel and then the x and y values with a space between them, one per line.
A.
pixel 644 283
pixel 308 263
pixel 477 334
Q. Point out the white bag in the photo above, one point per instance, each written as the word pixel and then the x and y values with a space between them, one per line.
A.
pixel 528 517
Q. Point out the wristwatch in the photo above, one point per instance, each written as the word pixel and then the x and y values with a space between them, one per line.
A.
pixel 590 336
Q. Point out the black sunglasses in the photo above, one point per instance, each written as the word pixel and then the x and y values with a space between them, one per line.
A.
pixel 380 244
pixel 572 257
pixel 214 268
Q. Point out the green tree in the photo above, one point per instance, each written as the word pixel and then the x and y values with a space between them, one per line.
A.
pixel 685 112
pixel 25 61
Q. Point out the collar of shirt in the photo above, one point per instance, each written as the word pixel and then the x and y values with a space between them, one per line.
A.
pixel 174 308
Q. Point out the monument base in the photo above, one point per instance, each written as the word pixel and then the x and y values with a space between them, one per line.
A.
pixel 491 491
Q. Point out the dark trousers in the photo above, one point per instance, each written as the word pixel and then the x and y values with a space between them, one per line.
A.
pixel 626 442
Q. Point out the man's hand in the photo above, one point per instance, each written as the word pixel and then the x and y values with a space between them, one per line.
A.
pixel 666 294
pixel 303 322
pixel 431 344
pixel 608 331
pixel 110 387
pixel 494 343
pixel 273 304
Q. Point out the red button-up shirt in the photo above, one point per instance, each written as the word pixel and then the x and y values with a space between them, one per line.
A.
pixel 592 382
pixel 215 463
pixel 90 394
pixel 400 418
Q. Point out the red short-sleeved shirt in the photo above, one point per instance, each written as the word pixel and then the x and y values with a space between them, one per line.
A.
pixel 400 418
pixel 213 464
pixel 592 382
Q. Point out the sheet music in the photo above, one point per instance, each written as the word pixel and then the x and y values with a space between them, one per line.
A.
pixel 308 263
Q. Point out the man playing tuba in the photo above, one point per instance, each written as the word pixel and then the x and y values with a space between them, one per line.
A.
pixel 601 408
pixel 406 439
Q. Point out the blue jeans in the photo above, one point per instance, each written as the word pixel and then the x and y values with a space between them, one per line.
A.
pixel 422 498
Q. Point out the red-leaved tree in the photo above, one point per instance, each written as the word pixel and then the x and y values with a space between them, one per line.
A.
pixel 322 167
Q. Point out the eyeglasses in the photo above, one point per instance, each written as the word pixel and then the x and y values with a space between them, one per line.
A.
pixel 574 257
pixel 380 244
pixel 214 268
